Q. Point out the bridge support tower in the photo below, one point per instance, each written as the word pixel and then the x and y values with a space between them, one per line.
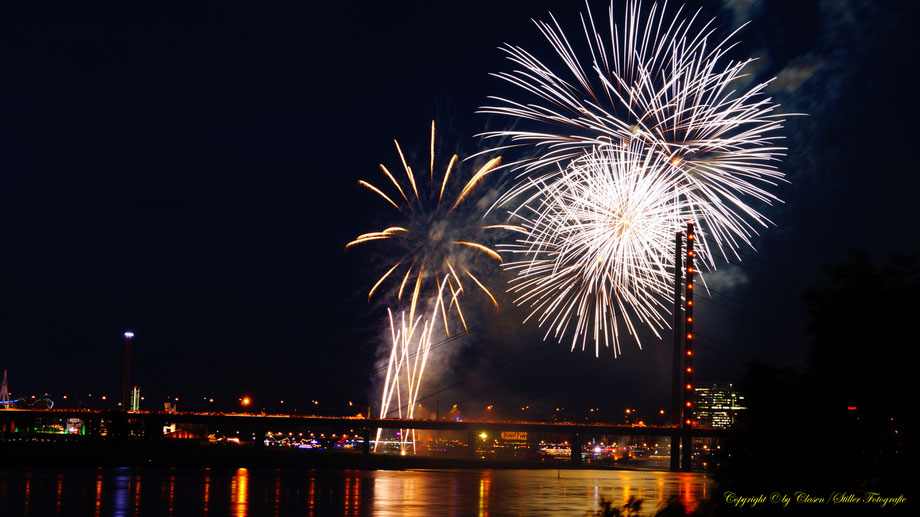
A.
pixel 677 363
pixel 576 448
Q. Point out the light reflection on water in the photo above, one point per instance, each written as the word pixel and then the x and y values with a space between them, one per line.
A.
pixel 206 492
pixel 98 495
pixel 241 492
pixel 122 485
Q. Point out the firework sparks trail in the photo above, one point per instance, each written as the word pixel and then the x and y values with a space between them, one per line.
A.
pixel 439 249
pixel 598 247
pixel 665 82
pixel 411 343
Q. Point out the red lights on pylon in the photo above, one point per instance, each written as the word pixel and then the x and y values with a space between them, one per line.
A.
pixel 687 397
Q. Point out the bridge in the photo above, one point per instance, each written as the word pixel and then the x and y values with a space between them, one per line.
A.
pixel 117 424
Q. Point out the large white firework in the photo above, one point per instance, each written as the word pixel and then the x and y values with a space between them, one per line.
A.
pixel 598 248
pixel 665 82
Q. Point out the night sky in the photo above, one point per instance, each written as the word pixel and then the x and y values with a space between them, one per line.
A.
pixel 190 174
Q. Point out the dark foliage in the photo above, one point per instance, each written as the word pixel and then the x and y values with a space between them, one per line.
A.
pixel 845 422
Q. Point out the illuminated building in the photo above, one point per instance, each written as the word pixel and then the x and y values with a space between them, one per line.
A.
pixel 135 399
pixel 717 405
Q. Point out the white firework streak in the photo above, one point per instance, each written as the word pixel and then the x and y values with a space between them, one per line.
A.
pixel 598 251
pixel 408 356
pixel 661 81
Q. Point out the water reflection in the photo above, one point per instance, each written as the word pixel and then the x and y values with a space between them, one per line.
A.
pixel 206 493
pixel 137 494
pixel 28 493
pixel 98 494
pixel 485 483
pixel 276 502
pixel 352 499
pixel 60 494
pixel 569 492
pixel 242 492
pixel 121 488
pixel 171 494
pixel 239 492
pixel 311 497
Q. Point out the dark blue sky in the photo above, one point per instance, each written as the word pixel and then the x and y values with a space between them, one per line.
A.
pixel 191 174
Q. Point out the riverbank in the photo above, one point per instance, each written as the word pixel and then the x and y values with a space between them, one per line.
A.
pixel 195 454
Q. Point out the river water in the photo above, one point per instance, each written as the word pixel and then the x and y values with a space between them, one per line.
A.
pixel 404 493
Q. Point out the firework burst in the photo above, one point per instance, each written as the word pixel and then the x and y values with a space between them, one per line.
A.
pixel 596 256
pixel 442 250
pixel 663 82
pixel 439 241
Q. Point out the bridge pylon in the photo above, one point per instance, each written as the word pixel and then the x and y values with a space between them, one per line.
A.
pixel 677 363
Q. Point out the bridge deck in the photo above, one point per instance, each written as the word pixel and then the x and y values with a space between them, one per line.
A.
pixel 269 421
